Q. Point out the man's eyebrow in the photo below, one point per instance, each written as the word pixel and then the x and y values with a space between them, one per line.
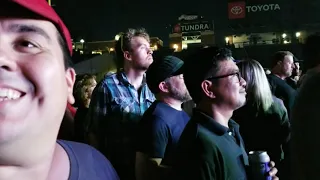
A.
pixel 233 71
pixel 22 28
pixel 142 44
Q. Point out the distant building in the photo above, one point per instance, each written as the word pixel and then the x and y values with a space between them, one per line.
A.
pixel 101 47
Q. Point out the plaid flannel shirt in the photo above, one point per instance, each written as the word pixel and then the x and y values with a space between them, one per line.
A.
pixel 116 108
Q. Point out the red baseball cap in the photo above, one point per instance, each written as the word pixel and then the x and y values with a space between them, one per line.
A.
pixel 42 8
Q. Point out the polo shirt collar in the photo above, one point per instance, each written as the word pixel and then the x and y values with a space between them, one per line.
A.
pixel 214 126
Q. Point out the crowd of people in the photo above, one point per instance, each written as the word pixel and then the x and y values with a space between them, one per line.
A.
pixel 136 124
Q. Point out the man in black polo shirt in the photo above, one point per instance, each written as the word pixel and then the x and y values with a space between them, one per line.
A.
pixel 282 67
pixel 210 146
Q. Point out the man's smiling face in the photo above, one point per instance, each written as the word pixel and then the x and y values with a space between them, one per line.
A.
pixel 35 85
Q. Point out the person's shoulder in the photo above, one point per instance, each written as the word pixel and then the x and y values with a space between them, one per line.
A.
pixel 278 111
pixel 281 85
pixel 158 111
pixel 277 100
pixel 271 77
pixel 88 160
pixel 198 132
pixel 312 81
pixel 275 80
pixel 305 77
pixel 199 141
pixel 206 136
pixel 277 104
pixel 108 84
pixel 78 149
pixel 309 92
pixel 149 113
pixel 186 117
pixel 162 110
pixel 190 132
pixel 110 77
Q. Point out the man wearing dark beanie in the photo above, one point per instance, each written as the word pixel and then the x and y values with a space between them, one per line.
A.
pixel 163 122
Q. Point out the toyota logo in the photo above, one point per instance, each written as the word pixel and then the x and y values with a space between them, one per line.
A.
pixel 236 10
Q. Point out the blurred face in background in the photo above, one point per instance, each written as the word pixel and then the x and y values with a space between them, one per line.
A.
pixel 287 65
pixel 88 92
pixel 83 90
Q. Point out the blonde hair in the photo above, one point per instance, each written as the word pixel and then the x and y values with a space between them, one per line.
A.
pixel 81 89
pixel 258 88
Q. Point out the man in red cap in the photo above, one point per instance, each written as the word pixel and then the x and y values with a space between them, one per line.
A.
pixel 36 83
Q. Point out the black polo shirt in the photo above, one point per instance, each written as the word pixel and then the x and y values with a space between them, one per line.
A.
pixel 283 91
pixel 207 150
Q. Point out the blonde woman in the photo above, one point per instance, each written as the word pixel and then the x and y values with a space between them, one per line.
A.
pixel 263 121
pixel 82 92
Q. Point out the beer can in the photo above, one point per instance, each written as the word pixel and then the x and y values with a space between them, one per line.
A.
pixel 259 165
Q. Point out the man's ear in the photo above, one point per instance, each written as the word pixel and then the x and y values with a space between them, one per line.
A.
pixel 163 87
pixel 70 78
pixel 127 55
pixel 206 87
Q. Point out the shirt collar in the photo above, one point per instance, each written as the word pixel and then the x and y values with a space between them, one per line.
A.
pixel 214 126
pixel 124 80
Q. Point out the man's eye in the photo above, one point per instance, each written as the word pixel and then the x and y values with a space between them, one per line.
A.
pixel 26 44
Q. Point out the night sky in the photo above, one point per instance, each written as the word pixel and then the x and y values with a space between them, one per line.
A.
pixel 103 19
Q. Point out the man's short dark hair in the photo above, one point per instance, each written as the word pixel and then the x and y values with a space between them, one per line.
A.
pixel 200 66
pixel 66 53
pixel 279 56
pixel 311 51
pixel 123 44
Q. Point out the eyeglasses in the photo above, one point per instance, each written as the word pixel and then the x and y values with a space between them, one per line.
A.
pixel 223 76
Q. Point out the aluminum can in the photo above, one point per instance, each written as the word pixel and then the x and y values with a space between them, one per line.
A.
pixel 259 165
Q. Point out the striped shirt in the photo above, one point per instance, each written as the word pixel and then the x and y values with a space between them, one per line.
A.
pixel 116 108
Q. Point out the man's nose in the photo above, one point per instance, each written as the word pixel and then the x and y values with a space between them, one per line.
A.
pixel 243 82
pixel 6 61
pixel 150 51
